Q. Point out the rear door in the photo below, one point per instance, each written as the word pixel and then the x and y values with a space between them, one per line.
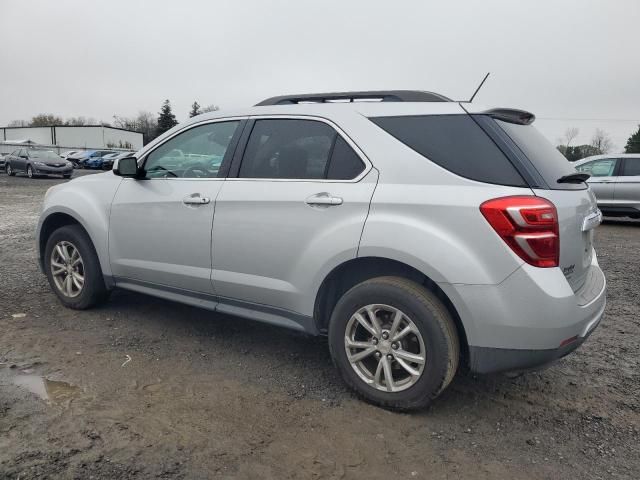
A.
pixel 293 207
pixel 627 190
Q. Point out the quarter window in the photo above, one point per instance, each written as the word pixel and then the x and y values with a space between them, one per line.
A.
pixel 195 153
pixel 631 167
pixel 345 163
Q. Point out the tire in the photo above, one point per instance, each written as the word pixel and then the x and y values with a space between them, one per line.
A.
pixel 29 171
pixel 66 176
pixel 10 171
pixel 93 291
pixel 432 330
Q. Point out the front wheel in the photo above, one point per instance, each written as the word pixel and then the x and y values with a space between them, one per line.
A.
pixel 394 343
pixel 73 268
pixel 10 171
pixel 29 171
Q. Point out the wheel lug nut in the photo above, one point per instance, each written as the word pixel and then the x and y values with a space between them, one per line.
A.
pixel 378 355
pixel 389 357
pixel 385 335
pixel 394 345
pixel 375 341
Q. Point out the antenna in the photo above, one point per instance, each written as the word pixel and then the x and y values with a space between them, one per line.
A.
pixel 479 87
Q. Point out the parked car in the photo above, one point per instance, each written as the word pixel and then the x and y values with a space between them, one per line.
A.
pixel 107 160
pixel 2 161
pixel 416 232
pixel 68 153
pixel 35 162
pixel 615 180
pixel 96 161
pixel 82 158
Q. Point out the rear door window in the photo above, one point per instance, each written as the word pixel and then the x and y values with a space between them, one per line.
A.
pixel 545 158
pixel 631 167
pixel 456 143
pixel 288 149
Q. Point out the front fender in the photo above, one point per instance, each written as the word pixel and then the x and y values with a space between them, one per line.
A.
pixel 88 201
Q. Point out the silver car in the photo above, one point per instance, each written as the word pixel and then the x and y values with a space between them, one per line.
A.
pixel 417 233
pixel 615 180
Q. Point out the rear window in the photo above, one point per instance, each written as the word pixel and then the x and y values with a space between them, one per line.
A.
pixel 456 143
pixel 546 159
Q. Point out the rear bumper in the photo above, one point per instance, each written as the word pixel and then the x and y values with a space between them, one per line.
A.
pixel 530 319
pixel 491 360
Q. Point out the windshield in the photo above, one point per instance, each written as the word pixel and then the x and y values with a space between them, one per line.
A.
pixel 44 155
pixel 549 162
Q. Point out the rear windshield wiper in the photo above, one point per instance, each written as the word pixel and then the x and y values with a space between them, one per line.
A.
pixel 574 178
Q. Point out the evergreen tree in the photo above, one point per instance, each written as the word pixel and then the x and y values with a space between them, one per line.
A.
pixel 195 110
pixel 633 144
pixel 166 118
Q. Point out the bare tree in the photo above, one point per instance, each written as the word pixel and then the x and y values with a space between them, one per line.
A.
pixel 601 141
pixel 46 120
pixel 144 122
pixel 570 134
pixel 210 108
pixel 18 123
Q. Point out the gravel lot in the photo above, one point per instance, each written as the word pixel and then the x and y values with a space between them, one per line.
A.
pixel 206 395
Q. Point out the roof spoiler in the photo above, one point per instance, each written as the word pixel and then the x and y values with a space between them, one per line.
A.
pixel 379 95
pixel 511 115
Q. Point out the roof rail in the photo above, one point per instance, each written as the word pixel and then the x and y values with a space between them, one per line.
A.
pixel 374 95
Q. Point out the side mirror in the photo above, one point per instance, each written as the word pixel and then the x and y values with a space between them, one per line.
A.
pixel 126 167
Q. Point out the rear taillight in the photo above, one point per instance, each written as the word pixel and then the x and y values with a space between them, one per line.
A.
pixel 529 225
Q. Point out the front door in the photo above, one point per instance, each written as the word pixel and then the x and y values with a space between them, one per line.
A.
pixel 603 178
pixel 160 225
pixel 296 206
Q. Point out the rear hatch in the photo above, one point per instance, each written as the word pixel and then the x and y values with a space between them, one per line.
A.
pixel 576 205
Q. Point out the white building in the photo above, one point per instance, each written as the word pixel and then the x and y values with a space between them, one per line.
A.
pixel 63 137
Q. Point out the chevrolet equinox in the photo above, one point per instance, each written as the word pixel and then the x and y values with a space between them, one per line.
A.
pixel 417 233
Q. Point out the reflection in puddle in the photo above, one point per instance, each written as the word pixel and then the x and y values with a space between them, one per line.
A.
pixel 50 390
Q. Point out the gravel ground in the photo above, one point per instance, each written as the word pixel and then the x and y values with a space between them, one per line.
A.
pixel 205 395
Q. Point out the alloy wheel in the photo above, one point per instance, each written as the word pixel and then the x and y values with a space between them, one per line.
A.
pixel 29 172
pixel 67 269
pixel 9 171
pixel 385 348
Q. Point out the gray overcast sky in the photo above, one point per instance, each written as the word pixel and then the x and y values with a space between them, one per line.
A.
pixel 570 60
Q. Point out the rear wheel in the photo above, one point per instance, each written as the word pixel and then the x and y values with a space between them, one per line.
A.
pixel 66 176
pixel 394 343
pixel 73 268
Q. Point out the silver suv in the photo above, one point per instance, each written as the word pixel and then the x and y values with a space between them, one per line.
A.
pixel 615 180
pixel 418 233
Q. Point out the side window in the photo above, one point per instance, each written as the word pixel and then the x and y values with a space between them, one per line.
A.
pixel 195 153
pixel 631 167
pixel 345 163
pixel 288 148
pixel 602 168
pixel 585 167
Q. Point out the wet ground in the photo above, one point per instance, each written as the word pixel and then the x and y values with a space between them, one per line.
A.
pixel 144 388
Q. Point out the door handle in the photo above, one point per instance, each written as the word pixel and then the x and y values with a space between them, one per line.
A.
pixel 195 199
pixel 324 199
pixel 603 181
